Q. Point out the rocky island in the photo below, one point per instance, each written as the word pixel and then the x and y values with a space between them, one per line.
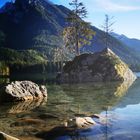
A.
pixel 103 66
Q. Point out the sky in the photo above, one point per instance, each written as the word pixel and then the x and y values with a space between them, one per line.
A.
pixel 126 14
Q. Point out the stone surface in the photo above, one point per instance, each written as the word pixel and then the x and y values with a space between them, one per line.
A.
pixel 80 122
pixel 22 91
pixel 84 122
pixel 98 67
pixel 4 136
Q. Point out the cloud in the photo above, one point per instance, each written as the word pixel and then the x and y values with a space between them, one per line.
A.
pixel 112 6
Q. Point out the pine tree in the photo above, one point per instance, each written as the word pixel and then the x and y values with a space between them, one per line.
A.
pixel 78 32
pixel 107 28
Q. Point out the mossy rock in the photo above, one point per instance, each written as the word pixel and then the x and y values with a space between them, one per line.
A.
pixel 97 67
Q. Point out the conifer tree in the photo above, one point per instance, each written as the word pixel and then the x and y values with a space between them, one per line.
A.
pixel 107 28
pixel 78 32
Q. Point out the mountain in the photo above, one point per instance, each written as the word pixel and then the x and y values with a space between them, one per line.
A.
pixel 37 25
pixel 29 24
pixel 130 42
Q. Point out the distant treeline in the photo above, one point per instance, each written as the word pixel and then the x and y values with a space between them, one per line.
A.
pixel 49 67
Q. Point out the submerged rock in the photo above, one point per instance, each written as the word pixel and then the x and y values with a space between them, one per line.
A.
pixel 84 122
pixel 29 121
pixel 22 91
pixel 4 136
pixel 80 122
pixel 97 67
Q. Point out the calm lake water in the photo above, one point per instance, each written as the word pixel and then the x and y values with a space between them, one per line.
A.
pixel 118 103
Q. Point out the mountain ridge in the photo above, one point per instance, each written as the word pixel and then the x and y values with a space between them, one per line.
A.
pixel 38 26
pixel 130 42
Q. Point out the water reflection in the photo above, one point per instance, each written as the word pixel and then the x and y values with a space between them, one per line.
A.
pixel 120 123
pixel 132 97
pixel 44 120
pixel 86 99
pixel 20 107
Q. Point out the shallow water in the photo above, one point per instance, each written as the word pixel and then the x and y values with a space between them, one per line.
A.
pixel 119 104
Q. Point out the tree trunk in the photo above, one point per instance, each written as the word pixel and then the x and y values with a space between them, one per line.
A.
pixel 77 41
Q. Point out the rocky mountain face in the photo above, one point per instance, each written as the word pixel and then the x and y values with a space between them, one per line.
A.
pixel 37 24
pixel 29 23
pixel 97 67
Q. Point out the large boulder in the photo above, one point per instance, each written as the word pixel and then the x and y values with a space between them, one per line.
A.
pixel 97 67
pixel 22 91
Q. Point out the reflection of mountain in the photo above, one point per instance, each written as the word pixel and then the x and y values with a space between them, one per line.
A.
pixel 83 99
pixel 132 96
pixel 64 102
pixel 99 98
pixel 74 99
pixel 87 99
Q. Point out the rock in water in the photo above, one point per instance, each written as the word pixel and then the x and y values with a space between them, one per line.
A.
pixel 97 67
pixel 22 91
pixel 84 122
pixel 80 123
pixel 4 136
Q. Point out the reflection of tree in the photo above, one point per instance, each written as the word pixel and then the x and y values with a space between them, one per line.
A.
pixel 92 98
pixel 121 89
pixel 66 101
pixel 87 100
pixel 84 100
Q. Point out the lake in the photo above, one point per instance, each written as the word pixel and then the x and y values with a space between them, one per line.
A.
pixel 117 103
